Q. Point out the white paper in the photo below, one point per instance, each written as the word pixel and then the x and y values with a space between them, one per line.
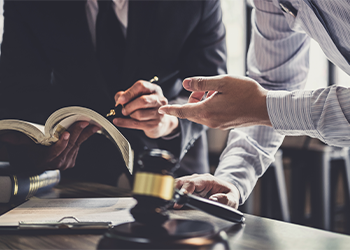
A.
pixel 115 210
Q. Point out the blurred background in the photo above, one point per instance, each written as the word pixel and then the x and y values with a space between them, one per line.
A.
pixel 309 182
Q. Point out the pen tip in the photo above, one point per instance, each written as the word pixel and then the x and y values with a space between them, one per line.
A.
pixel 154 79
pixel 111 112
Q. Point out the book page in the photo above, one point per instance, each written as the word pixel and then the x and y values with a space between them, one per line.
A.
pixel 38 126
pixel 115 210
pixel 61 119
pixel 33 131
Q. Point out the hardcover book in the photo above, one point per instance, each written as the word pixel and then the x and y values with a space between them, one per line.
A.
pixel 15 188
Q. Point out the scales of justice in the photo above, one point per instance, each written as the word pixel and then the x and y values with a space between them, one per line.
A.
pixel 155 194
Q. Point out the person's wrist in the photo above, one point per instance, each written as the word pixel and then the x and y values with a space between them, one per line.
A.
pixel 235 191
pixel 174 127
pixel 236 196
pixel 262 113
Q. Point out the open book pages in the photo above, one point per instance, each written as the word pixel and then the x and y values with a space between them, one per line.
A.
pixel 61 119
pixel 35 131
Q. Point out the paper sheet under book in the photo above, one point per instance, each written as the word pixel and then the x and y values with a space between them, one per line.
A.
pixel 115 210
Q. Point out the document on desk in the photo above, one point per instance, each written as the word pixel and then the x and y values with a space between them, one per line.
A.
pixel 115 210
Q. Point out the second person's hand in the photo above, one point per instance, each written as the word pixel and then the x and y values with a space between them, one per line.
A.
pixel 209 186
pixel 230 102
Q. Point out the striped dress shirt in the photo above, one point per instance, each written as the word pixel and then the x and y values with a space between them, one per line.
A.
pixel 278 59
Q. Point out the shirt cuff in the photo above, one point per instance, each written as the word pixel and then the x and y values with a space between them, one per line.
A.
pixel 290 112
pixel 173 135
pixel 170 137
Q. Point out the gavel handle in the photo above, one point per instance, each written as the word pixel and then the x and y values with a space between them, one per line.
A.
pixel 211 207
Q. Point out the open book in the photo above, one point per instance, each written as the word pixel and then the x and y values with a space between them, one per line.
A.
pixel 61 119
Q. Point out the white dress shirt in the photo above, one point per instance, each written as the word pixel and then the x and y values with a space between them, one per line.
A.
pixel 278 59
pixel 120 8
pixel 322 113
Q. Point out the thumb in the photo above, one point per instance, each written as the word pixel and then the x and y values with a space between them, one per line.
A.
pixel 224 199
pixel 214 83
pixel 181 111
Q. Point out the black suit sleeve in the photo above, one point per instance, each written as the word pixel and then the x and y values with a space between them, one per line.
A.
pixel 24 70
pixel 204 54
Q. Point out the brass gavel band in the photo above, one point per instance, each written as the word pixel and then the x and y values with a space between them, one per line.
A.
pixel 156 185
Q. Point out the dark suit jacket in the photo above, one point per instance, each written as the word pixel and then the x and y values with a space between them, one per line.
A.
pixel 48 61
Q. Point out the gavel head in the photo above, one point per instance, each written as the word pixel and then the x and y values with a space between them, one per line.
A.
pixel 154 187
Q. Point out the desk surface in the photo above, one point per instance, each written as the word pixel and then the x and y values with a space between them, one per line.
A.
pixel 256 233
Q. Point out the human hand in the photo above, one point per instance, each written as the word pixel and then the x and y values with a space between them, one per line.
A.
pixel 28 156
pixel 231 102
pixel 209 186
pixel 141 103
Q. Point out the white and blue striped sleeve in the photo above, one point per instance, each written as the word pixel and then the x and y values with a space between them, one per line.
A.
pixel 322 114
pixel 278 60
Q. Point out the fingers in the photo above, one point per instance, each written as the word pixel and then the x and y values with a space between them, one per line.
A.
pixel 86 133
pixel 134 124
pixel 210 93
pixel 116 97
pixel 138 89
pixel 205 185
pixel 73 152
pixel 75 130
pixel 196 97
pixel 199 184
pixel 145 115
pixel 195 183
pixel 57 149
pixel 63 153
pixel 221 198
pixel 187 111
pixel 144 102
pixel 214 83
pixel 225 199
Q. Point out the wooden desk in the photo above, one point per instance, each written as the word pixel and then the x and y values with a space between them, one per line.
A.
pixel 256 233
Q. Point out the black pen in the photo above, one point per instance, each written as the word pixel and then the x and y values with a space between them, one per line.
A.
pixel 117 111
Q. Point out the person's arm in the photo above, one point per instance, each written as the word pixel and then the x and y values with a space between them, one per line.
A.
pixel 278 60
pixel 321 113
pixel 314 113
